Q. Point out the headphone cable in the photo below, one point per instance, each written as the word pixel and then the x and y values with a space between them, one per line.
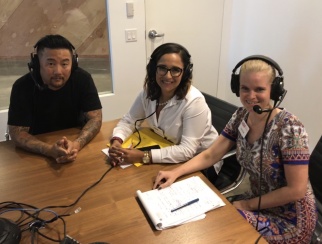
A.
pixel 261 165
pixel 83 193
pixel 136 129
pixel 38 223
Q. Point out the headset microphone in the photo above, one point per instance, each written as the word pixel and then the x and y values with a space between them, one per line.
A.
pixel 259 110
pixel 41 87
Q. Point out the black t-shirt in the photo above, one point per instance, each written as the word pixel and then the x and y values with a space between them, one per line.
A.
pixel 48 110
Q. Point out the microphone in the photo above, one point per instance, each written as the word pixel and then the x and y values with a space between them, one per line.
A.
pixel 41 87
pixel 259 110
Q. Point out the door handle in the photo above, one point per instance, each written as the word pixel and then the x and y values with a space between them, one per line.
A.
pixel 153 34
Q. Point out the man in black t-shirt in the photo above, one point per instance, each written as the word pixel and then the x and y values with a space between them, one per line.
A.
pixel 56 94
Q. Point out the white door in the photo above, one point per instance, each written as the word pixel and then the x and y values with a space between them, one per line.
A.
pixel 197 25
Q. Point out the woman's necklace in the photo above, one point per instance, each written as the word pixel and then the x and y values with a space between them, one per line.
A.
pixel 164 103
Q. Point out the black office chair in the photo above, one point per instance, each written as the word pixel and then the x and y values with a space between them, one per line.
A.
pixel 231 174
pixel 315 174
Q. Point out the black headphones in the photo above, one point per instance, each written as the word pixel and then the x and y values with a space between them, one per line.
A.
pixel 34 66
pixel 277 90
pixel 169 48
pixel 9 232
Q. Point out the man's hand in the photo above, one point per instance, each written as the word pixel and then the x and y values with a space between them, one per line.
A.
pixel 64 151
pixel 68 158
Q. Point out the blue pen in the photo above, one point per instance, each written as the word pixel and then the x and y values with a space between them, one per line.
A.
pixel 185 205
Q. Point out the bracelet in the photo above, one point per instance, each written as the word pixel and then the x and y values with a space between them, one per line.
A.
pixel 117 139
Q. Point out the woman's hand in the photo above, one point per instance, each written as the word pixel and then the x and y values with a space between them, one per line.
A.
pixel 115 155
pixel 131 155
pixel 120 155
pixel 164 179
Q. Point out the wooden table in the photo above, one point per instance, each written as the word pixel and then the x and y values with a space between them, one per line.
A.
pixel 110 211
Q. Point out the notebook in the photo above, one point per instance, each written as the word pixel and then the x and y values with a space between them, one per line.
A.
pixel 160 204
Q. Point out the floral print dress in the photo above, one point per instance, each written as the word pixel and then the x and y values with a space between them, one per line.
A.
pixel 285 142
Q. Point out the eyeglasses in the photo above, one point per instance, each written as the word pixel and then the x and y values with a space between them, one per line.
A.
pixel 163 70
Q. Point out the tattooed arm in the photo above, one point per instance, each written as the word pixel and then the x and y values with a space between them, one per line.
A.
pixel 21 137
pixel 63 151
pixel 90 130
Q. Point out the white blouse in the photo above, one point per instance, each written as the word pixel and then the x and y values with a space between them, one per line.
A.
pixel 186 123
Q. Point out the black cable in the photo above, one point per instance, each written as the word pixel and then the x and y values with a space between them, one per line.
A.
pixel 84 192
pixel 38 223
pixel 261 166
pixel 136 129
pixel 21 207
pixel 33 235
pixel 257 240
pixel 261 234
pixel 51 239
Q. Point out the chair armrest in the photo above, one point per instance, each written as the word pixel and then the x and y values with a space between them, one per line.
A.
pixel 230 153
pixel 228 168
pixel 238 181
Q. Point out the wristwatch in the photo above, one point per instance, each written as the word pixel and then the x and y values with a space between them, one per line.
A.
pixel 146 157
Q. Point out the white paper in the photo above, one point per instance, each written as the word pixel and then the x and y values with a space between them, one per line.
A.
pixel 123 166
pixel 159 203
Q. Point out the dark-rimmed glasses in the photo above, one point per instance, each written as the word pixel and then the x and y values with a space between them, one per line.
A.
pixel 163 70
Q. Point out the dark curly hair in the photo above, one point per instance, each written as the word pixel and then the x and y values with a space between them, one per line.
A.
pixel 151 86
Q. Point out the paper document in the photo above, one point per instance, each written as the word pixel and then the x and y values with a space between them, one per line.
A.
pixel 159 203
pixel 148 138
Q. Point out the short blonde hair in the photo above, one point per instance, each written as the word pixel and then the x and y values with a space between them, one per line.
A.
pixel 258 65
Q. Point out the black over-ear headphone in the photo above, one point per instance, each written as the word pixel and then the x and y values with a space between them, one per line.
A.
pixel 277 90
pixel 164 49
pixel 34 66
pixel 9 232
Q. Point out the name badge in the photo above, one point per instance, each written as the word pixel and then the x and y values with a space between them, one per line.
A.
pixel 243 128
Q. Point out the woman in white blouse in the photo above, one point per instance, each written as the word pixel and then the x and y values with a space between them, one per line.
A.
pixel 172 107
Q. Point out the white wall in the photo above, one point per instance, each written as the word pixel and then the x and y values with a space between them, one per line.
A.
pixel 288 31
pixel 128 58
pixel 200 35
